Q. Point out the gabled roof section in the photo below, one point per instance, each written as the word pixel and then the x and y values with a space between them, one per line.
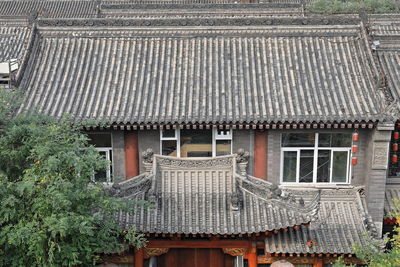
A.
pixel 209 196
pixel 342 222
pixel 49 8
pixel 171 71
pixel 199 10
pixel 385 30
pixel 15 36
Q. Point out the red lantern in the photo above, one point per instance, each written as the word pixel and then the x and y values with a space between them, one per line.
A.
pixel 354 148
pixel 395 147
pixel 355 137
pixel 354 160
pixel 394 158
pixel 396 135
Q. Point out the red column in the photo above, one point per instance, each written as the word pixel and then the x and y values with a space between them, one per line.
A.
pixel 252 255
pixel 131 155
pixel 139 258
pixel 318 263
pixel 260 154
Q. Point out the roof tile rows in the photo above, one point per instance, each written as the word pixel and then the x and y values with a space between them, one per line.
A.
pixel 342 222
pixel 206 196
pixel 49 8
pixel 198 75
pixel 14 39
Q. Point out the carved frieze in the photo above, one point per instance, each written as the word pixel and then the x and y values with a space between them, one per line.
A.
pixel 175 22
pixel 380 156
pixel 234 251
pixel 154 252
pixel 194 163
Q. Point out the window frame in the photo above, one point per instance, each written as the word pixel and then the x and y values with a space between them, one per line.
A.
pixel 108 151
pixel 315 148
pixel 215 138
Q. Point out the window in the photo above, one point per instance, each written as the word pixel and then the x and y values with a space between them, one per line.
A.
pixel 315 157
pixel 394 154
pixel 102 143
pixel 196 143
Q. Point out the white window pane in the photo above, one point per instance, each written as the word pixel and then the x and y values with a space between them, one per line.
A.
pixel 306 166
pixel 339 166
pixel 223 147
pixel 196 143
pixel 101 175
pixel 169 148
pixel 298 139
pixel 289 166
pixel 100 140
pixel 169 133
pixel 323 166
pixel 334 140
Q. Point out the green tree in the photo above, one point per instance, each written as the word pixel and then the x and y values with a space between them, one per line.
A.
pixel 50 212
pixel 353 6
pixel 373 254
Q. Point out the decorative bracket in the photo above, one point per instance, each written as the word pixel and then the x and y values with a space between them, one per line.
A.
pixel 148 158
pixel 242 159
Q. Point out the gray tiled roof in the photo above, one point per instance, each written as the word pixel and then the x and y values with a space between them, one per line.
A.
pixel 207 196
pixel 49 8
pixel 342 222
pixel 14 40
pixel 386 30
pixel 392 191
pixel 232 74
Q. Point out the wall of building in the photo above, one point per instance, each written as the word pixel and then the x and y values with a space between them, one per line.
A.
pixel 118 156
pixel 376 172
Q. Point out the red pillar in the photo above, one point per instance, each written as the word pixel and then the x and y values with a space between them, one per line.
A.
pixel 252 255
pixel 139 261
pixel 131 155
pixel 318 263
pixel 260 154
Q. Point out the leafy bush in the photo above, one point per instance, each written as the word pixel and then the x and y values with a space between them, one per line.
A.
pixel 353 6
pixel 50 212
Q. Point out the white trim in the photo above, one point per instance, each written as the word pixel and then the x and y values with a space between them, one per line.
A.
pixel 215 137
pixel 316 149
pixel 107 151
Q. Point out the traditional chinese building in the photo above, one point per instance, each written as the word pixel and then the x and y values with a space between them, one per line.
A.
pixel 256 132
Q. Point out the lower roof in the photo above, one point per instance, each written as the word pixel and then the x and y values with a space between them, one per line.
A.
pixel 208 196
pixel 342 222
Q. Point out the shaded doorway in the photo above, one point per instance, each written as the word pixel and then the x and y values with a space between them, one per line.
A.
pixel 195 257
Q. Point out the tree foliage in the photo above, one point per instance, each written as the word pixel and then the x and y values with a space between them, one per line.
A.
pixel 353 6
pixel 50 212
pixel 373 254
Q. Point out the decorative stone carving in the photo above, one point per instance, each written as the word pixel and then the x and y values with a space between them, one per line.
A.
pixel 242 160
pixel 148 157
pixel 380 155
pixel 223 21
pixel 194 163
pixel 154 252
pixel 234 251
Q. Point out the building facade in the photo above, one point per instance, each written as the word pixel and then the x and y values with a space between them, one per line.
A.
pixel 257 132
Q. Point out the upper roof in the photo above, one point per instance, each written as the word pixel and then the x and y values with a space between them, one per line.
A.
pixel 240 70
pixel 49 8
pixel 342 222
pixel 385 30
pixel 15 36
pixel 209 196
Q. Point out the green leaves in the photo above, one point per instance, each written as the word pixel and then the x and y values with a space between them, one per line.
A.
pixel 50 212
pixel 353 6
